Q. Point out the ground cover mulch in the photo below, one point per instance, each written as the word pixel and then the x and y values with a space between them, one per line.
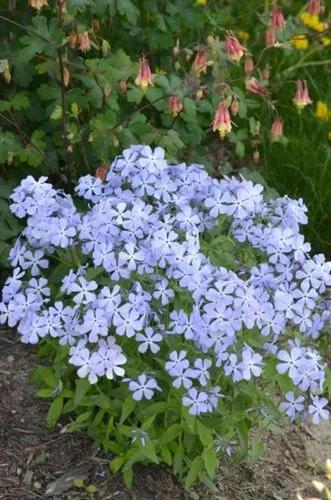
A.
pixel 39 463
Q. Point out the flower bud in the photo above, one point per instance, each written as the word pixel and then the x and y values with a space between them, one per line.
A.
pixel 72 39
pixel 256 156
pixel 255 87
pixel 314 7
pixel 301 98
pixel 38 4
pixel 144 77
pixel 277 19
pixel 199 94
pixel 270 36
pixel 101 172
pixel 234 107
pixel 276 129
pixel 266 73
pixel 210 40
pixel 176 48
pixel 175 105
pixel 200 62
pixel 123 87
pixel 84 41
pixel 96 24
pixel 66 76
pixel 202 3
pixel 5 70
pixel 249 65
pixel 233 48
pixel 222 120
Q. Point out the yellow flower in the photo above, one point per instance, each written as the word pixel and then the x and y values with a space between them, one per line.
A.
pixel 322 111
pixel 309 20
pixel 320 27
pixel 326 40
pixel 203 3
pixel 243 35
pixel 300 41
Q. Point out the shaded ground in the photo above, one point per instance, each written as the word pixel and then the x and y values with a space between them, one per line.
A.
pixel 36 462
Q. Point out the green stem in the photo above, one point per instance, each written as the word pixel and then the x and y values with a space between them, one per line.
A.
pixel 74 256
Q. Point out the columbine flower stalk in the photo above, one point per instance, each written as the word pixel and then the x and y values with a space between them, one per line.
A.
pixel 222 120
pixel 301 98
pixel 144 78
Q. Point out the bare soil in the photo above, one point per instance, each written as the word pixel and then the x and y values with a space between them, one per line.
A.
pixel 38 463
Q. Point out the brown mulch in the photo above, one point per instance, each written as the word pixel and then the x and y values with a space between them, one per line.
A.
pixel 38 463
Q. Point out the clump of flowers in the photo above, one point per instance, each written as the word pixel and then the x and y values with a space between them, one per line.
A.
pixel 147 304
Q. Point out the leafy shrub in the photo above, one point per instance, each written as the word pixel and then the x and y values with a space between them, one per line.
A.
pixel 190 307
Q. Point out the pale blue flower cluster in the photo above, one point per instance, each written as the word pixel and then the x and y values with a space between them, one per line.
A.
pixel 142 232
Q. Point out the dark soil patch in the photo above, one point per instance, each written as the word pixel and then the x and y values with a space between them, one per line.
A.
pixel 36 462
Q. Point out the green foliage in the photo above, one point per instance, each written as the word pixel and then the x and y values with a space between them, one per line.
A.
pixel 155 431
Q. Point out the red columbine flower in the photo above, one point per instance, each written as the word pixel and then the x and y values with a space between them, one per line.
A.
pixel 175 106
pixel 249 65
pixel 200 62
pixel 270 36
pixel 84 41
pixel 314 7
pixel 233 47
pixel 101 172
pixel 255 87
pixel 38 4
pixel 144 77
pixel 277 18
pixel 222 120
pixel 277 129
pixel 301 98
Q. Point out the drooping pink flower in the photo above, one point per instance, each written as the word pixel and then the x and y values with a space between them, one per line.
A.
pixel 84 41
pixel 101 172
pixel 222 120
pixel 255 87
pixel 277 129
pixel 301 98
pixel 314 7
pixel 175 105
pixel 249 65
pixel 200 62
pixel 270 36
pixel 144 77
pixel 233 48
pixel 38 4
pixel 277 18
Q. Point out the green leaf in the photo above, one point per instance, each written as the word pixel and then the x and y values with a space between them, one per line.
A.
pixel 166 455
pixel 205 435
pixel 242 432
pixel 82 386
pixel 78 483
pixel 195 469
pixel 127 408
pixel 134 95
pixel 20 101
pixel 257 449
pixel 116 464
pixel 45 393
pixel 128 476
pixel 54 411
pixel 210 461
pixel 127 8
pixel 149 452
pixel 171 433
